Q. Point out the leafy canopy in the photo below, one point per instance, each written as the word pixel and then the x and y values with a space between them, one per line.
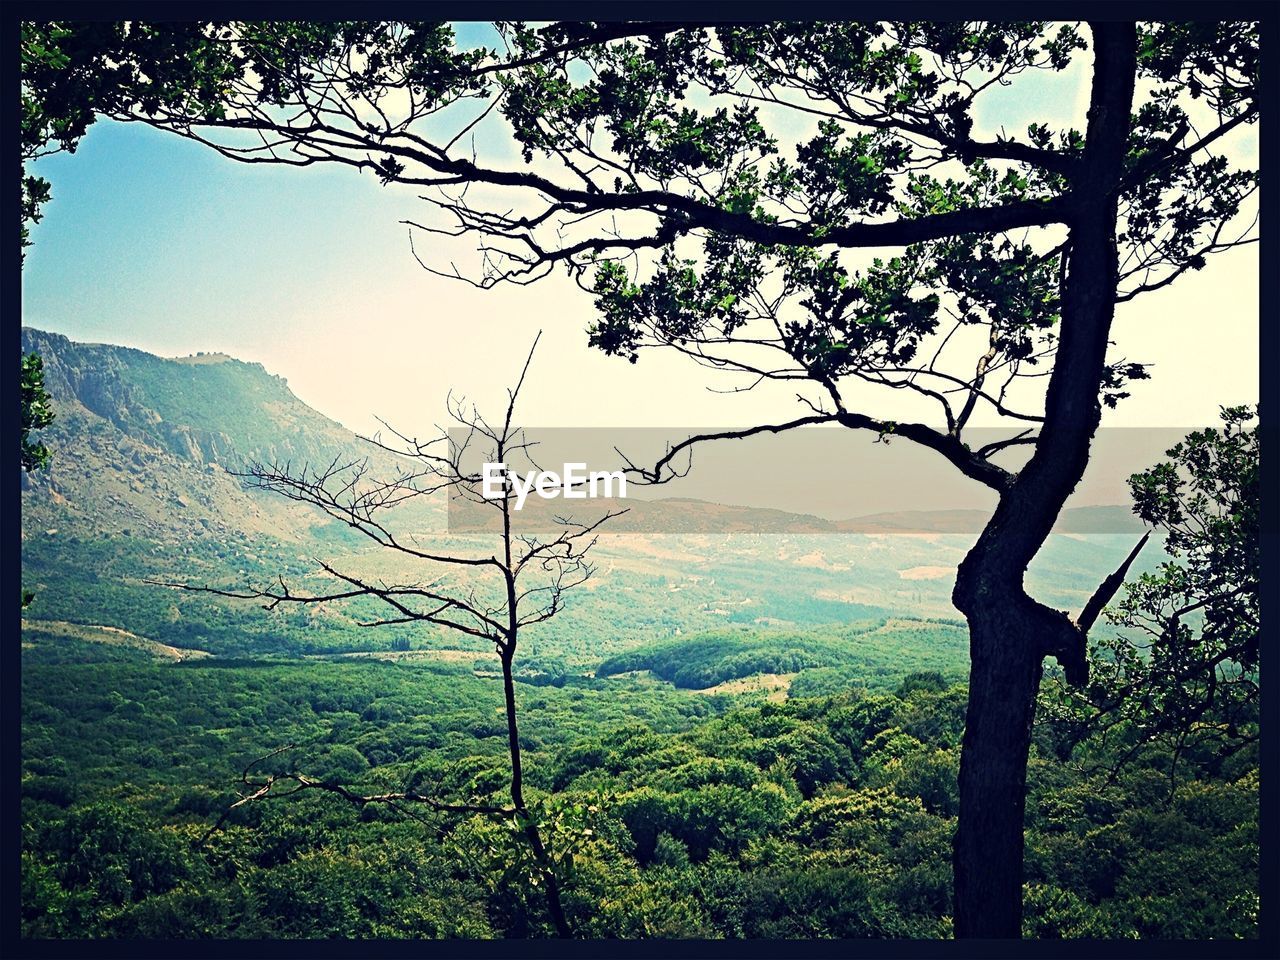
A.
pixel 817 203
pixel 1182 669
pixel 37 412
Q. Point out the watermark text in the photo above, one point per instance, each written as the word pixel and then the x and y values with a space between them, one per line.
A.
pixel 574 483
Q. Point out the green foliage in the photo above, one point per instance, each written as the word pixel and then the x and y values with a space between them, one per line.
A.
pixel 813 817
pixel 707 659
pixel 819 682
pixel 856 652
pixel 37 412
pixel 1150 858
pixel 1183 667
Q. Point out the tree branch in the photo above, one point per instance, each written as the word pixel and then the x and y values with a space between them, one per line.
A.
pixel 1107 589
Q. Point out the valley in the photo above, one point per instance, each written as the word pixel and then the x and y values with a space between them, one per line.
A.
pixel 727 734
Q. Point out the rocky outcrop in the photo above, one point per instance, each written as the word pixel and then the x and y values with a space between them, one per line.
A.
pixel 143 445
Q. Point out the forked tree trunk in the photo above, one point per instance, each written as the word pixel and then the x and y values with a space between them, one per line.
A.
pixel 1009 633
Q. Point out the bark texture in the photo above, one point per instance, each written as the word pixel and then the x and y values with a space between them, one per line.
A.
pixel 1010 633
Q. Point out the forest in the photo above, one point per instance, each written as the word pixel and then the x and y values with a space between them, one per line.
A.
pixel 673 814
pixel 270 691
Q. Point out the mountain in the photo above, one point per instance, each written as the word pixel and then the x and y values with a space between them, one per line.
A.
pixel 1073 520
pixel 688 515
pixel 139 490
pixel 146 443
pixel 142 444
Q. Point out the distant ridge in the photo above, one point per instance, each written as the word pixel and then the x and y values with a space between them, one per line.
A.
pixel 150 439
pixel 143 445
pixel 141 490
pixel 1077 520
pixel 682 515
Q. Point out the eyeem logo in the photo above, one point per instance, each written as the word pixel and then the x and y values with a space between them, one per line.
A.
pixel 574 484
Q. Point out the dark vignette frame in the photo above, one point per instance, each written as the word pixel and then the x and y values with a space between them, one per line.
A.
pixel 1267 14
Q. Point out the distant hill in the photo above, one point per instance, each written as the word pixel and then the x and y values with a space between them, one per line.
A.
pixel 867 651
pixel 1079 520
pixel 205 409
pixel 148 441
pixel 687 515
pixel 142 444
pixel 139 490
pixel 670 515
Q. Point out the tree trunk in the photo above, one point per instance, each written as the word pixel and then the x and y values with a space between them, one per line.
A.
pixel 1010 634
pixel 1003 681
pixel 531 832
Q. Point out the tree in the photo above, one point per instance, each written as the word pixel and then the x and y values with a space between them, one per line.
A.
pixel 37 413
pixel 491 593
pixel 1183 670
pixel 653 175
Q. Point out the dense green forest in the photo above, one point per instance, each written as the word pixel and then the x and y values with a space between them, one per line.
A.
pixel 672 813
pixel 878 651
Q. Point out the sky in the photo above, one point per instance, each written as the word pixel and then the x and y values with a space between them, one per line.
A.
pixel 155 242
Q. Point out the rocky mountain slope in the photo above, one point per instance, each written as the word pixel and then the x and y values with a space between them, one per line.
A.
pixel 143 445
pixel 139 490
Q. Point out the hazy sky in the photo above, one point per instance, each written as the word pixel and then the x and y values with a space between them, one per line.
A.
pixel 158 243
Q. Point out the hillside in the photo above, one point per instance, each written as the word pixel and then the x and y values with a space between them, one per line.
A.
pixel 1106 519
pixel 139 489
pixel 142 445
pixel 873 653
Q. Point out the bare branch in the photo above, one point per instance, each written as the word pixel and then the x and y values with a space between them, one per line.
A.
pixel 1107 589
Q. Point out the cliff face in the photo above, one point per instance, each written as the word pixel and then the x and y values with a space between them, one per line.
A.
pixel 142 487
pixel 142 444
pixel 204 409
